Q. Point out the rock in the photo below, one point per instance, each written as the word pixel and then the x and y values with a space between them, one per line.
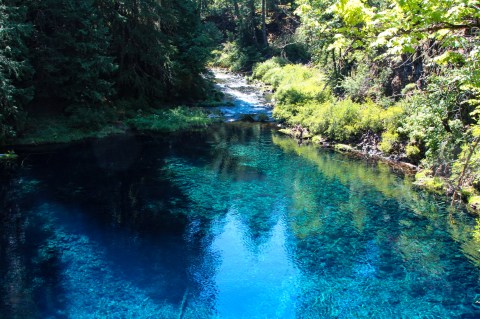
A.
pixel 476 301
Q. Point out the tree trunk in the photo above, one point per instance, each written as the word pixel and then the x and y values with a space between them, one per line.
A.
pixel 252 21
pixel 264 24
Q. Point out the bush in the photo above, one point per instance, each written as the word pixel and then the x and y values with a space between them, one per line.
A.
pixel 303 97
pixel 90 117
pixel 337 120
pixel 366 84
pixel 302 92
pixel 293 84
pixel 413 152
pixel 389 142
pixel 236 58
pixel 260 69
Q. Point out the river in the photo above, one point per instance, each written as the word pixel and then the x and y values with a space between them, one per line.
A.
pixel 234 221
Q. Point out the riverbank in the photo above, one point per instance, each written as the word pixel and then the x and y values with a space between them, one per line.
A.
pixel 62 129
pixel 310 108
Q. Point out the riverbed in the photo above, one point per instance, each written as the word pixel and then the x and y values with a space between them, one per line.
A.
pixel 234 221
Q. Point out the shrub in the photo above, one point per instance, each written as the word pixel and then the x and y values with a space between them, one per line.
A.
pixel 260 69
pixel 90 117
pixel 389 142
pixel 366 84
pixel 301 92
pixel 337 120
pixel 303 97
pixel 236 58
pixel 413 152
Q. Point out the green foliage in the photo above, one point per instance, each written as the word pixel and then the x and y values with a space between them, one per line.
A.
pixel 364 84
pixel 310 90
pixel 413 152
pixel 92 118
pixel 437 119
pixel 303 97
pixel 293 83
pixel 474 203
pixel 70 53
pixel 260 70
pixel 160 47
pixel 61 129
pixel 338 120
pixel 432 183
pixel 65 129
pixel 170 120
pixel 235 57
pixel 389 142
pixel 472 171
pixel 94 60
pixel 15 69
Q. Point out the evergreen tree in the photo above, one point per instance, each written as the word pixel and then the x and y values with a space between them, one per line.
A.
pixel 70 56
pixel 159 46
pixel 14 67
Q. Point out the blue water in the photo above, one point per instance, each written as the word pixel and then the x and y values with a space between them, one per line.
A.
pixel 234 221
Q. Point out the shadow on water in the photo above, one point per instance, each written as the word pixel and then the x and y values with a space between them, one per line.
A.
pixel 187 225
pixel 24 246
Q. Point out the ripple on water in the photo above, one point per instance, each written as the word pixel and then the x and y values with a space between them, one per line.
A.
pixel 246 99
pixel 246 224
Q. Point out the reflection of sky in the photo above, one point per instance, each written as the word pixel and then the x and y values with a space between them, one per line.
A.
pixel 232 226
pixel 253 281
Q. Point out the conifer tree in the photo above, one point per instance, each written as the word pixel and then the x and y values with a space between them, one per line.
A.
pixel 70 55
pixel 15 70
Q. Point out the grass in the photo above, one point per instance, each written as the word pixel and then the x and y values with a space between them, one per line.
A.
pixel 170 120
pixel 62 129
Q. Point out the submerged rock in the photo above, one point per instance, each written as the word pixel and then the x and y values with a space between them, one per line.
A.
pixel 476 301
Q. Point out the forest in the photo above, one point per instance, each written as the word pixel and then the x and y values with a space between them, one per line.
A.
pixel 191 159
pixel 398 78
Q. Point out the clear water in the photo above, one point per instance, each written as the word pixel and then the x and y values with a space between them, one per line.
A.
pixel 232 222
pixel 245 99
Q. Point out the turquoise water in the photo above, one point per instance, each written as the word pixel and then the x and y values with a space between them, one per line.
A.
pixel 232 222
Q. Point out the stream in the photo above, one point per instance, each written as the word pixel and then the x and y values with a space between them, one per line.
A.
pixel 233 221
pixel 242 99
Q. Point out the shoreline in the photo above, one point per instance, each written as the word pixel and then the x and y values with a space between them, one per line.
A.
pixel 424 182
